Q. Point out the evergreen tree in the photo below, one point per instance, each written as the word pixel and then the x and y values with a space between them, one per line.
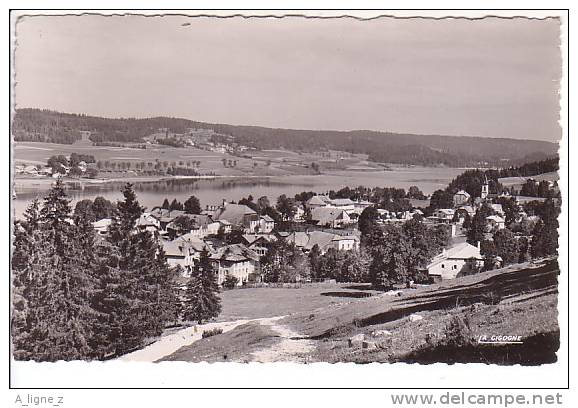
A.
pixel 367 220
pixel 166 205
pixel 53 318
pixel 479 225
pixel 176 205
pixel 202 301
pixel 192 205
pixel 545 233
pixel 133 282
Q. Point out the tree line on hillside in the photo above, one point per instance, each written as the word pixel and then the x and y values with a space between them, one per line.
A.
pixel 385 147
pixel 80 296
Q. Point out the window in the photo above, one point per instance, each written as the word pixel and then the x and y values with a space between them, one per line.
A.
pixel 443 266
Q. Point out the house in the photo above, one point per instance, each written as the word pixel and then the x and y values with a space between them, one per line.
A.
pixel 443 214
pixel 496 222
pixel 344 204
pixel 202 226
pixel 179 253
pixel 330 217
pixel 324 240
pixel 225 226
pixel 317 201
pixel 266 224
pixel 101 226
pixel 498 209
pixel 236 260
pixel 238 215
pixel 148 223
pixel 195 244
pixel 299 215
pixel 461 198
pixel 345 242
pixel 259 243
pixel 458 260
pixel 165 216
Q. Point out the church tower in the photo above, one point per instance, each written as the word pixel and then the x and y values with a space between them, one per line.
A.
pixel 485 188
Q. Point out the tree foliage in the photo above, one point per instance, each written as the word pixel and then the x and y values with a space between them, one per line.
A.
pixel 202 301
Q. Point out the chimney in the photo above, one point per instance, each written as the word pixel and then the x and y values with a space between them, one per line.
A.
pixel 443 252
pixel 224 203
pixel 479 245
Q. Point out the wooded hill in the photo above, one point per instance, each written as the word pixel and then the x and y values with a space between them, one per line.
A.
pixel 55 127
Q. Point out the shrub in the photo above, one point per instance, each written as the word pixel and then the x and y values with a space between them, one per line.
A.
pixel 212 332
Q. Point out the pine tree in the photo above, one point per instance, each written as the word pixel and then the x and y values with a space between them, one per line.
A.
pixel 52 319
pixel 545 233
pixel 479 225
pixel 201 298
pixel 134 282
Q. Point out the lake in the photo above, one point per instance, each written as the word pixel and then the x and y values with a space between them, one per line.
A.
pixel 213 191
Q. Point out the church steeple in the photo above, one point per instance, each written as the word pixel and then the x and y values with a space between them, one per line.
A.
pixel 485 188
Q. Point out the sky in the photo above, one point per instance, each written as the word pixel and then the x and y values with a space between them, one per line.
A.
pixel 490 77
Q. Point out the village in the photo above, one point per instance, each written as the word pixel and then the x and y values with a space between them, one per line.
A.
pixel 237 236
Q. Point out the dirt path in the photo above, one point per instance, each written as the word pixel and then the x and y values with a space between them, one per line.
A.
pixel 292 347
pixel 169 344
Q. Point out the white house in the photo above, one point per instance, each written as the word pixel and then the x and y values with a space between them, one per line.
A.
pixel 457 260
pixel 461 198
pixel 344 204
pixel 179 252
pixel 238 215
pixel 330 217
pixel 444 214
pixel 148 222
pixel 496 222
pixel 324 240
pixel 317 202
pixel 235 260
pixel 266 224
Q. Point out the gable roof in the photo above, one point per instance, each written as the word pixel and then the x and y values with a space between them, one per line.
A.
pixel 250 239
pixel 194 242
pixel 463 192
pixel 234 253
pixel 318 200
pixel 307 240
pixel 164 215
pixel 146 220
pixel 462 250
pixel 174 248
pixel 267 218
pixel 342 201
pixel 326 215
pixel 234 213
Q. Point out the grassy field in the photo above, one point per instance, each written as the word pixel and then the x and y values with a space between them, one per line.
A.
pixel 519 300
pixel 255 303
pixel 262 163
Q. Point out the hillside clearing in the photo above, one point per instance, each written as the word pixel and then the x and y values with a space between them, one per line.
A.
pixel 520 300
